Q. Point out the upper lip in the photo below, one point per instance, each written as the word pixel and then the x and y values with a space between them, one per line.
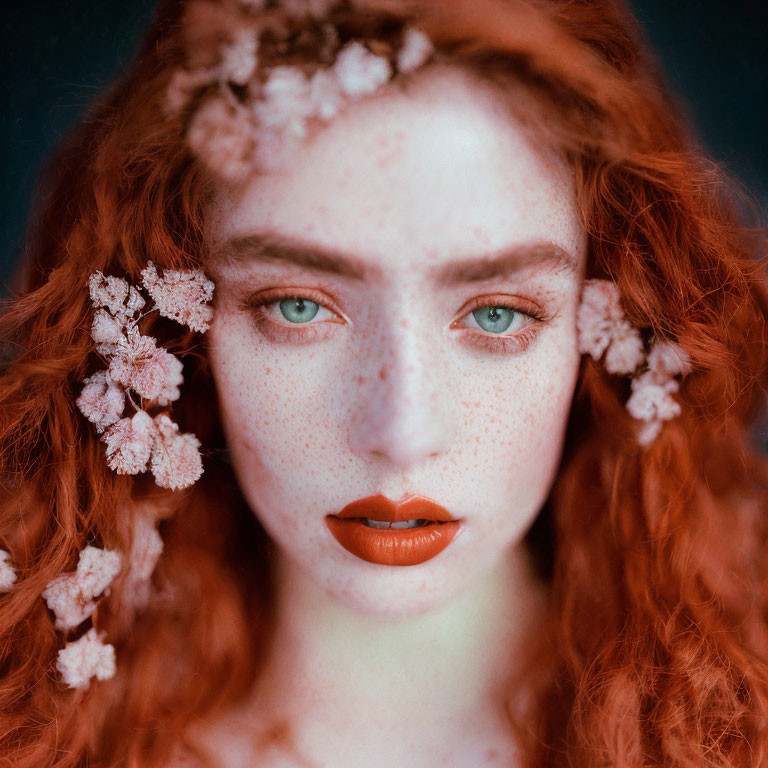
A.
pixel 412 507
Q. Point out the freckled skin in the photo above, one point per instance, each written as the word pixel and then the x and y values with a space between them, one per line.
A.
pixel 397 401
pixel 398 397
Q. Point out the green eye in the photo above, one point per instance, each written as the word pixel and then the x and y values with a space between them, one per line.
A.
pixel 494 319
pixel 298 310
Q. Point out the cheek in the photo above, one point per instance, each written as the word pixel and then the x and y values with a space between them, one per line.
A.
pixel 274 407
pixel 514 417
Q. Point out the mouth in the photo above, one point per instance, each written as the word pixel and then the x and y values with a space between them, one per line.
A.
pixel 380 531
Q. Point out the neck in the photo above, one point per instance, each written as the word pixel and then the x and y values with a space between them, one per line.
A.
pixel 334 671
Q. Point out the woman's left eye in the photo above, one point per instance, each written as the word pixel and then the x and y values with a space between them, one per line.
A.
pixel 501 327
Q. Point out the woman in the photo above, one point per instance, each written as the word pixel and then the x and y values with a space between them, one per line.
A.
pixel 428 531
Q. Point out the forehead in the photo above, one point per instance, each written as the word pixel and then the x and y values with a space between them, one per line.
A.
pixel 443 168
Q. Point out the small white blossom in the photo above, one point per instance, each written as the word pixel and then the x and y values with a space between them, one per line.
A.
pixel 70 596
pixel 652 397
pixel 176 461
pixel 109 292
pixel 596 316
pixel 286 101
pixel 181 295
pixel 85 658
pixel 101 400
pixel 221 134
pixel 360 72
pixel 7 573
pixel 129 443
pixel 625 351
pixel 238 58
pixel 325 95
pixel 150 371
pixel 135 302
pixel 106 329
pixel 416 49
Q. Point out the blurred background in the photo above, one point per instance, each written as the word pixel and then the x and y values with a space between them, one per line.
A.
pixel 58 55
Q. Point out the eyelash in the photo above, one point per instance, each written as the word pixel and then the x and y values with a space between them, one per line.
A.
pixel 518 341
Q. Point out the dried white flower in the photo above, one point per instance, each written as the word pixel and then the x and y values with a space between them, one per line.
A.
pixel 135 302
pixel 238 58
pixel 648 431
pixel 107 329
pixel 129 443
pixel 7 573
pixel 415 51
pixel 625 351
pixel 596 316
pixel 150 371
pixel 109 292
pixel 85 658
pixel 652 397
pixel 360 72
pixel 176 461
pixel 222 135
pixel 101 400
pixel 181 295
pixel 286 102
pixel 603 328
pixel 325 95
pixel 70 596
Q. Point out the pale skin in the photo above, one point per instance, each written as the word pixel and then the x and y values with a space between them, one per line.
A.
pixel 394 387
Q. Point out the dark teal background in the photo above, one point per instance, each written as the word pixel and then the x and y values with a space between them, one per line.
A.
pixel 57 56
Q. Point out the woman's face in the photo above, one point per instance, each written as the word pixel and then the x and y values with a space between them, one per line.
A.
pixel 437 248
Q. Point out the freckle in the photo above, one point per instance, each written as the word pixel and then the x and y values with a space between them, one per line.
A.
pixel 383 374
pixel 360 379
pixel 269 370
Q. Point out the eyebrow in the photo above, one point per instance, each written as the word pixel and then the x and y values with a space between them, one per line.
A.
pixel 273 246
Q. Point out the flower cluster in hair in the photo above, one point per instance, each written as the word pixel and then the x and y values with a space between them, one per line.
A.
pixel 605 332
pixel 253 113
pixel 71 596
pixel 144 374
pixel 72 599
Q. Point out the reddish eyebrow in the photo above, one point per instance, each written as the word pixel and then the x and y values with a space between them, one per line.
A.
pixel 270 246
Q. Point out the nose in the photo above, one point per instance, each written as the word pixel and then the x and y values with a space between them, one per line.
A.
pixel 402 412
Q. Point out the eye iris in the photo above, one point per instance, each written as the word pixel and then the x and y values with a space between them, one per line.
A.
pixel 494 319
pixel 299 310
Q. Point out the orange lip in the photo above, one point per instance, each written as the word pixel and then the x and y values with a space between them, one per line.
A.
pixel 405 546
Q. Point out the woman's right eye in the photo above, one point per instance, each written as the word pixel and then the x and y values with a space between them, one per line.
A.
pixel 287 316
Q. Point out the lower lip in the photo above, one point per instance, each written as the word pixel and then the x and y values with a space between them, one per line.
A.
pixel 387 546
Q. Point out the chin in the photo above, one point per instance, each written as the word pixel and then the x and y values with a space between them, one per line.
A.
pixel 392 592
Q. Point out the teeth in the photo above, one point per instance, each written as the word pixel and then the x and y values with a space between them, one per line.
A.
pixel 397 526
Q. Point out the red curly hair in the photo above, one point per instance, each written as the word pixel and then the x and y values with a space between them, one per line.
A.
pixel 656 557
